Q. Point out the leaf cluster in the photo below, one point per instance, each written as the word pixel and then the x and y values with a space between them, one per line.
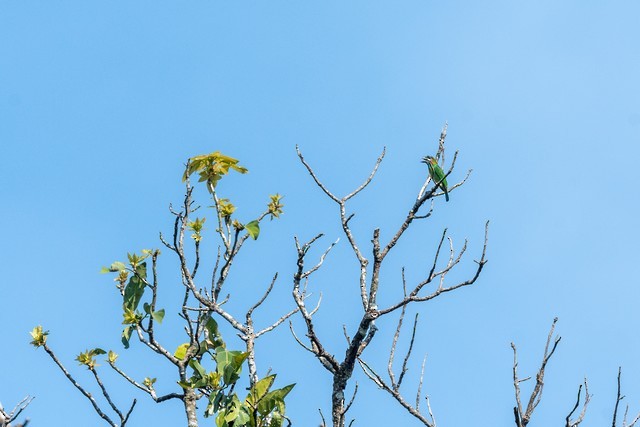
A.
pixel 88 357
pixel 39 336
pixel 133 291
pixel 212 167
pixel 262 407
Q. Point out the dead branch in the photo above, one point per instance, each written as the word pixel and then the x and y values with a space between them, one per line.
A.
pixel 414 294
pixel 522 418
pixel 377 379
pixel 619 398
pixel 327 360
pixel 587 398
pixel 7 417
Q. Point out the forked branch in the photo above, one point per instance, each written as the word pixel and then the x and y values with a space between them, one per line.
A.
pixel 7 418
pixel 522 416
pixel 393 386
pixel 587 399
pixel 619 398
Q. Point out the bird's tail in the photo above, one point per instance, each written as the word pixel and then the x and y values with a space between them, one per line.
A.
pixel 446 195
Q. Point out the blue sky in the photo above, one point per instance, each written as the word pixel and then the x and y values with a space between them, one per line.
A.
pixel 101 105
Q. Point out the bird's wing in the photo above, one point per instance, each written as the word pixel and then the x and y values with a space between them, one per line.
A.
pixel 439 175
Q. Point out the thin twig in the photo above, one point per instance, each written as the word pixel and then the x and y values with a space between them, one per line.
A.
pixel 587 398
pixel 79 387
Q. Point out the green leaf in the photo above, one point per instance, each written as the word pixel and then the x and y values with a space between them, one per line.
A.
pixel 203 347
pixel 185 384
pixel 197 367
pixel 212 327
pixel 253 228
pixel 232 410
pixel 181 351
pixel 273 400
pixel 215 401
pixel 158 315
pixel 276 420
pixel 213 334
pixel 126 335
pixel 147 308
pixel 220 421
pixel 259 390
pixel 113 268
pixel 229 364
pixel 266 405
pixel 201 383
pixel 231 374
pixel 282 392
pixel 118 266
pixel 141 270
pixel 133 293
pixel 243 418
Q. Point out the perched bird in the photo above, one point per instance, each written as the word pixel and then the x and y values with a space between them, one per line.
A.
pixel 437 175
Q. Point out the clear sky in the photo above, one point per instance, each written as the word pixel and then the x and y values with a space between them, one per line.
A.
pixel 101 103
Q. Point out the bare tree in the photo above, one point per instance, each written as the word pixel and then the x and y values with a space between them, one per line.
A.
pixel 369 284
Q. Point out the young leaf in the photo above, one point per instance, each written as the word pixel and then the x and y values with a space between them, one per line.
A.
pixel 112 356
pixel 181 351
pixel 39 336
pixel 253 228
pixel 158 315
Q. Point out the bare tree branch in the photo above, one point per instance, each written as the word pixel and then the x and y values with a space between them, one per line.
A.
pixel 619 398
pixel 7 417
pixel 393 387
pixel 376 378
pixel 79 387
pixel 326 359
pixel 587 398
pixel 148 390
pixel 522 419
pixel 105 393
pixel 413 295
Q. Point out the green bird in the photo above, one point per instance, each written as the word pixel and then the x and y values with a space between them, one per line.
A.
pixel 437 175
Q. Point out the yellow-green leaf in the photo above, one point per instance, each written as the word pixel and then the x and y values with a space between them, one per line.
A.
pixel 181 351
pixel 39 336
pixel 253 228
